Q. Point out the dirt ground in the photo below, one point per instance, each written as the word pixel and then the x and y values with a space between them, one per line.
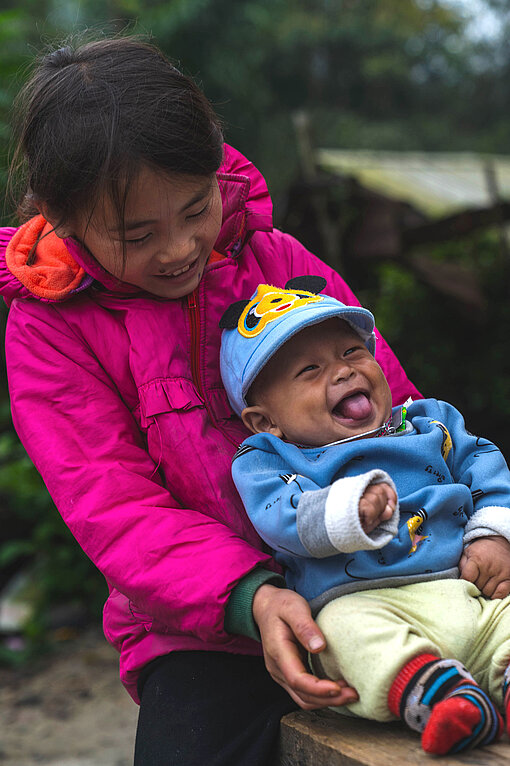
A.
pixel 68 709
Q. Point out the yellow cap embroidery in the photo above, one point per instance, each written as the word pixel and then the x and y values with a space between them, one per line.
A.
pixel 269 304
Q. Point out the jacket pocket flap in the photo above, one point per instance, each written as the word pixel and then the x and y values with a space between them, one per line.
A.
pixel 167 394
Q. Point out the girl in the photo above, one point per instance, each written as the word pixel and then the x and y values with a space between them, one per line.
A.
pixel 142 227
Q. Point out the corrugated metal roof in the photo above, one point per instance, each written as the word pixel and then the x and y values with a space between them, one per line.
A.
pixel 437 184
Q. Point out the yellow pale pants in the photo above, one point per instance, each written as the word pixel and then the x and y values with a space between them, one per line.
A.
pixel 371 635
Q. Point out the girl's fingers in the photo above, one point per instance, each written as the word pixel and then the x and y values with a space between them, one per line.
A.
pixel 287 629
pixel 290 672
pixel 316 703
pixel 277 611
pixel 302 625
pixel 310 692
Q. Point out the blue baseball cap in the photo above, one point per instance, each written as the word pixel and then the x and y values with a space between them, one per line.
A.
pixel 253 330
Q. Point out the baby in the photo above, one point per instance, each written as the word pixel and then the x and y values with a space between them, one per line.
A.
pixel 374 512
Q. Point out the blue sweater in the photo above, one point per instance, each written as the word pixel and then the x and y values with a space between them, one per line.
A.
pixel 452 487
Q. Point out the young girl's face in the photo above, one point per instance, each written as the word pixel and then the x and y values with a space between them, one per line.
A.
pixel 171 223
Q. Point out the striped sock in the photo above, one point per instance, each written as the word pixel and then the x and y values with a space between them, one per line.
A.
pixel 442 700
pixel 506 698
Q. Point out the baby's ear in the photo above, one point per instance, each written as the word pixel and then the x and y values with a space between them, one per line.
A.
pixel 257 421
pixel 310 283
pixel 232 315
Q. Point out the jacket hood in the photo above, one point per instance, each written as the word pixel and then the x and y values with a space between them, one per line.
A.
pixel 38 264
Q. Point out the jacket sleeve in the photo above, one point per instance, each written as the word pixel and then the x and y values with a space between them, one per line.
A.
pixel 295 515
pixel 85 443
pixel 479 464
pixel 304 262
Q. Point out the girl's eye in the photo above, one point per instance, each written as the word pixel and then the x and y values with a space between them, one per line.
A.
pixel 139 241
pixel 200 212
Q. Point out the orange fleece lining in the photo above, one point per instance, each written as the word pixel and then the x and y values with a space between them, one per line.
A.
pixel 54 273
pixel 215 257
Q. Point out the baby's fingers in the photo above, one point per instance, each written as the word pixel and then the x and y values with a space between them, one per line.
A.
pixel 502 590
pixel 391 500
pixel 377 504
pixel 469 569
pixel 388 512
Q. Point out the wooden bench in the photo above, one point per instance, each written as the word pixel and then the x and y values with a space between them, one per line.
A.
pixel 328 739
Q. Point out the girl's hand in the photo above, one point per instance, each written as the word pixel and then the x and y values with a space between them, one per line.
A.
pixel 287 629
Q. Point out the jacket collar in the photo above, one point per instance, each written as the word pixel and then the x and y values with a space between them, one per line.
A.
pixel 247 206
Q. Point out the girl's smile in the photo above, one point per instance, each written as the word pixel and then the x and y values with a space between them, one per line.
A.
pixel 171 223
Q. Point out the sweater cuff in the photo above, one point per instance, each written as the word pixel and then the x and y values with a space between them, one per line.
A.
pixel 342 520
pixel 238 613
pixel 487 522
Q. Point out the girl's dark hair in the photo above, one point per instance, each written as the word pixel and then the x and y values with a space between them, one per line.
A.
pixel 90 117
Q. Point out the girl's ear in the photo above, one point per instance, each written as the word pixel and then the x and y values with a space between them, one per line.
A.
pixel 258 421
pixel 60 229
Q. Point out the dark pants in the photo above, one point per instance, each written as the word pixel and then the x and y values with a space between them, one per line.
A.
pixel 209 709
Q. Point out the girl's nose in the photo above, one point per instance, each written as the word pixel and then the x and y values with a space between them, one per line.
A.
pixel 177 251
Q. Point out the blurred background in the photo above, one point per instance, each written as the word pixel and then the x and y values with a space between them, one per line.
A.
pixel 383 129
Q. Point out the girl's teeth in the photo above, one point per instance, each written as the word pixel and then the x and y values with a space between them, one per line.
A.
pixel 180 271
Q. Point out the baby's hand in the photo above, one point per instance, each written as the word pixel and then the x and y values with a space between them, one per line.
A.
pixel 486 563
pixel 377 504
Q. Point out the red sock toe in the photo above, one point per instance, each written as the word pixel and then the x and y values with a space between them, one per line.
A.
pixel 451 721
pixel 506 702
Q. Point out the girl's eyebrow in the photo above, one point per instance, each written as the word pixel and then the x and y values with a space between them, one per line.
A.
pixel 130 225
pixel 201 193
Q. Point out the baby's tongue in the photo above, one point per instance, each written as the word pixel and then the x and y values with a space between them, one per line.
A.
pixel 355 407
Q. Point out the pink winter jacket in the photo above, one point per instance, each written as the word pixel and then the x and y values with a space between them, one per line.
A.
pixel 117 397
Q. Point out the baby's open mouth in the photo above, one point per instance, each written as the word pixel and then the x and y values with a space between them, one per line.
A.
pixel 356 406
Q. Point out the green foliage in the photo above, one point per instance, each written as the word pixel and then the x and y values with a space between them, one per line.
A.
pixel 39 542
pixel 402 71
pixel 452 352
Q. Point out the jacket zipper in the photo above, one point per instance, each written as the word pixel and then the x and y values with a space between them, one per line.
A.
pixel 194 318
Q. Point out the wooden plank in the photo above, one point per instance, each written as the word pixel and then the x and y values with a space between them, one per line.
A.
pixel 328 739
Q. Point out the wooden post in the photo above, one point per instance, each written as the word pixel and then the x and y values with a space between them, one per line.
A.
pixel 329 230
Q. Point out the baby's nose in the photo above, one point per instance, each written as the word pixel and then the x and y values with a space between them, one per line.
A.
pixel 341 371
